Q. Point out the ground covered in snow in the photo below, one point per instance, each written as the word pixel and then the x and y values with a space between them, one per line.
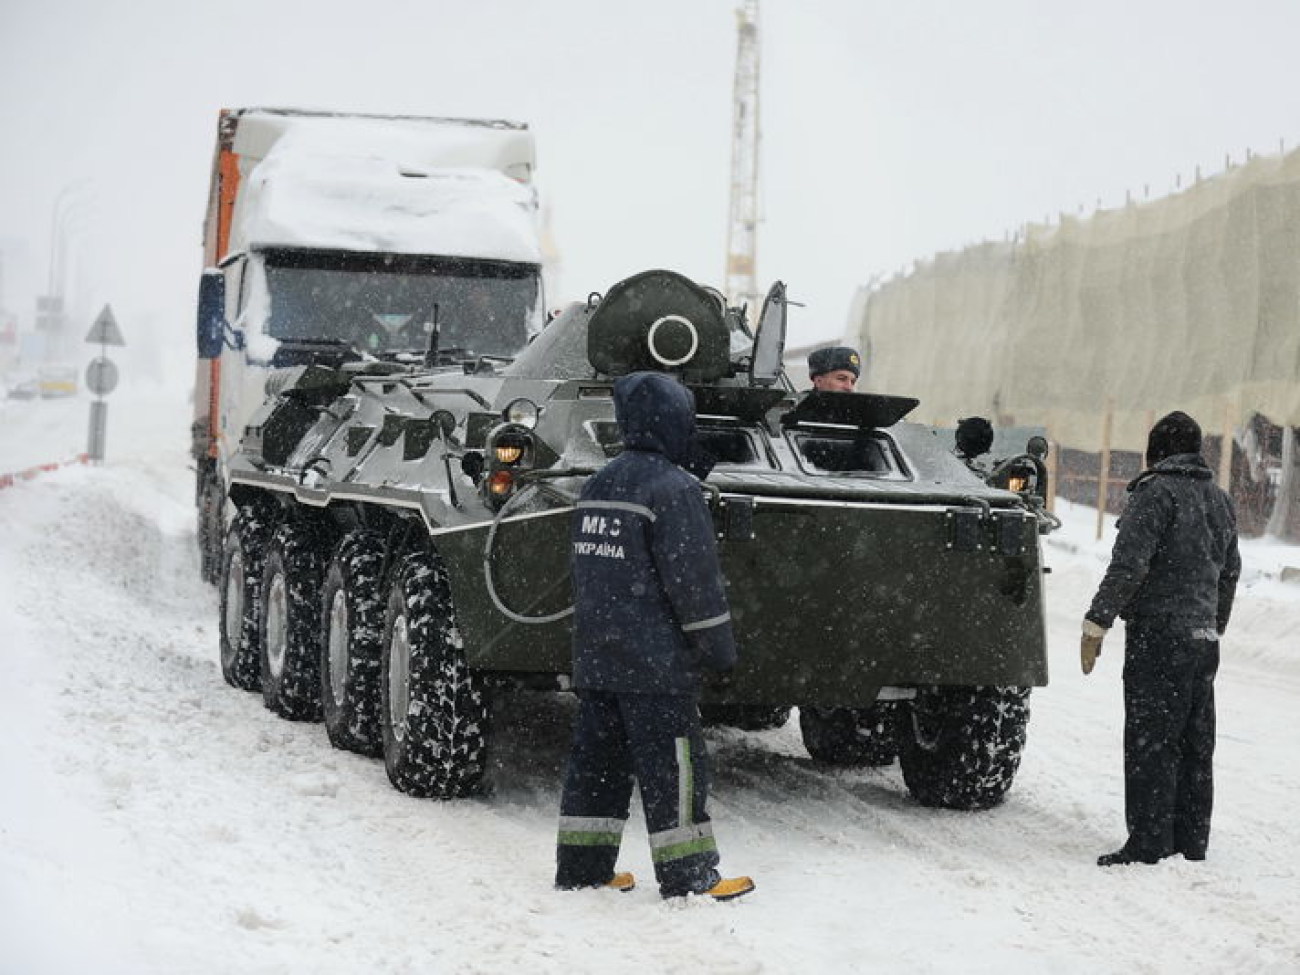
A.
pixel 153 820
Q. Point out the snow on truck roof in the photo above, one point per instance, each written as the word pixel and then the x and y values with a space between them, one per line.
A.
pixel 412 141
pixel 385 184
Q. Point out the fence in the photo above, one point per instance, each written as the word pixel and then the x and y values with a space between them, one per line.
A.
pixel 1095 327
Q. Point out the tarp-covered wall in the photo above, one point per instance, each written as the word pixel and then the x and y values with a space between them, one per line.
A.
pixel 1188 302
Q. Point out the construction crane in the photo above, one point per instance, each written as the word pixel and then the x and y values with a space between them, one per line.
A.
pixel 742 227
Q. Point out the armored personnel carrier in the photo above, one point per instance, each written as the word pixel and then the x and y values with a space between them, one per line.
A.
pixel 402 542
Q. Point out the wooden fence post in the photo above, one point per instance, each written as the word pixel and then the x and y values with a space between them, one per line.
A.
pixel 1225 446
pixel 1103 472
pixel 1053 469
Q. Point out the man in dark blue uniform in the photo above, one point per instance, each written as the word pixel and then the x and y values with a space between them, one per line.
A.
pixel 650 620
pixel 1172 577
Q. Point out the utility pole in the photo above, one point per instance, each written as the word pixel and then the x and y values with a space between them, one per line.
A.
pixel 742 227
pixel 51 308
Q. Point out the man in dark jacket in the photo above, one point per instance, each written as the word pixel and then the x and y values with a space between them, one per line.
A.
pixel 650 620
pixel 1172 576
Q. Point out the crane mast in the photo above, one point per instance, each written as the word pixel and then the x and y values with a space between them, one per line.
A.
pixel 742 227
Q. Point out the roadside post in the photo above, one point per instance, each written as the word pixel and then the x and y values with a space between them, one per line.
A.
pixel 101 379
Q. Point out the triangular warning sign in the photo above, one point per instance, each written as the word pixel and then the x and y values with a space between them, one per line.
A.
pixel 105 330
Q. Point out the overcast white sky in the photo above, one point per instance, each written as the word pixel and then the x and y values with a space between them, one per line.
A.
pixel 890 130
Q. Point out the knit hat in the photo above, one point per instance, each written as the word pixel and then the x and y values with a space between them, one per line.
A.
pixel 835 357
pixel 1174 433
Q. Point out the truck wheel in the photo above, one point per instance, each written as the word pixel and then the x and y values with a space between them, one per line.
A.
pixel 962 745
pixel 241 588
pixel 434 713
pixel 746 717
pixel 211 528
pixel 290 615
pixel 851 736
pixel 352 631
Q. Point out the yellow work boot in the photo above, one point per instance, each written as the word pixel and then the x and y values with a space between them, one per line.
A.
pixel 622 882
pixel 728 888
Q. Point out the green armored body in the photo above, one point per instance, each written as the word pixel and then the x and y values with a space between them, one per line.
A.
pixel 402 548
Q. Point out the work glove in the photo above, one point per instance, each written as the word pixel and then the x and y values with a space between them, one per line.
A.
pixel 1090 645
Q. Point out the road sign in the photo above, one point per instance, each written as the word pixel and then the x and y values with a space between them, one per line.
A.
pixel 105 330
pixel 101 376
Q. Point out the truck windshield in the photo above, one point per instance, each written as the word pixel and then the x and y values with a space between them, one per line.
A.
pixel 382 304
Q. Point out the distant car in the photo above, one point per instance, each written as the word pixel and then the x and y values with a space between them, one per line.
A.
pixel 56 381
pixel 25 389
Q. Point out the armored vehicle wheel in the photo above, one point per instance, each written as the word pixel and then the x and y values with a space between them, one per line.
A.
pixel 352 631
pixel 241 588
pixel 851 736
pixel 290 617
pixel 211 529
pixel 434 713
pixel 746 717
pixel 962 746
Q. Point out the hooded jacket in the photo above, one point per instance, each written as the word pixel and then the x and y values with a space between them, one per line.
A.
pixel 1175 558
pixel 650 611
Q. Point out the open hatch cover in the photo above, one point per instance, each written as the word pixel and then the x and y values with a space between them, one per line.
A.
pixel 868 410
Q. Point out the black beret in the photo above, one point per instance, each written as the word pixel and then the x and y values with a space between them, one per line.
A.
pixel 832 358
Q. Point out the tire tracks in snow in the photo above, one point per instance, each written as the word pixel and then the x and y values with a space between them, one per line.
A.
pixel 237 812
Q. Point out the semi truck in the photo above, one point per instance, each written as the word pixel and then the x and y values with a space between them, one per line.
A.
pixel 333 237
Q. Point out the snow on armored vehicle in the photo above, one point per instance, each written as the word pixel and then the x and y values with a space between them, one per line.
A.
pixel 402 541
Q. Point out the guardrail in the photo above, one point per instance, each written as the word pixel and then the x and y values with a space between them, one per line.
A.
pixel 9 480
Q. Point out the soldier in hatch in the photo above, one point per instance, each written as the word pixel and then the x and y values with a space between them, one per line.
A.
pixel 974 439
pixel 835 369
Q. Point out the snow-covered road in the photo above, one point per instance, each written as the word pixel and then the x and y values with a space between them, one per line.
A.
pixel 153 820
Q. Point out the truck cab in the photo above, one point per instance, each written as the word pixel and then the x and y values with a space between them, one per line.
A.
pixel 333 237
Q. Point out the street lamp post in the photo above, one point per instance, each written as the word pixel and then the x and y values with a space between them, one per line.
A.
pixel 51 310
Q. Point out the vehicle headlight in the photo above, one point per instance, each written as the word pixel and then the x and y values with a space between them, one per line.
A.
pixel 509 447
pixel 501 484
pixel 510 451
pixel 522 412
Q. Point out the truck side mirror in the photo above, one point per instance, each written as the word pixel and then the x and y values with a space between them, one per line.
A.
pixel 212 313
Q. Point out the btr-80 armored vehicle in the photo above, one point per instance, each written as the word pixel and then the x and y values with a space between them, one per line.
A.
pixel 402 544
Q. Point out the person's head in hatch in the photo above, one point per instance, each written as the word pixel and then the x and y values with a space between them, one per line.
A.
pixel 835 369
pixel 974 437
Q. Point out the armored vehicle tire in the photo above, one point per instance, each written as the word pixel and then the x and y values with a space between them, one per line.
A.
pixel 851 736
pixel 352 630
pixel 434 713
pixel 290 620
pixel 241 590
pixel 961 746
pixel 746 717
pixel 211 528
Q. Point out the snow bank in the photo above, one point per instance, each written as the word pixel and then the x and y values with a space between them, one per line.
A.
pixel 155 820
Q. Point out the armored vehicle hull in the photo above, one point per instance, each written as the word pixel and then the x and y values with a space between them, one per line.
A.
pixel 403 547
